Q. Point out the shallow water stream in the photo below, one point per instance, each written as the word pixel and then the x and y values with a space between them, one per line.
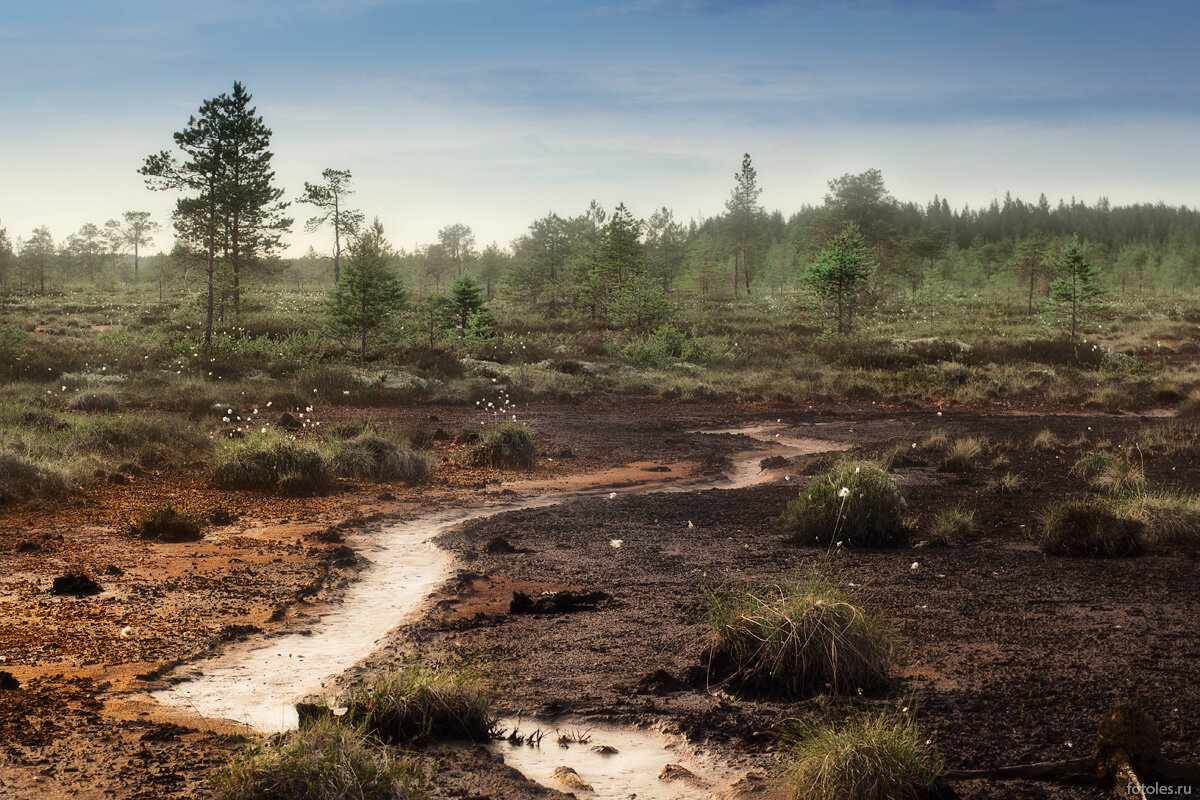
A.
pixel 258 682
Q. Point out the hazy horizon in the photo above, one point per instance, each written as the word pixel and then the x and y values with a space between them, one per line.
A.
pixel 496 113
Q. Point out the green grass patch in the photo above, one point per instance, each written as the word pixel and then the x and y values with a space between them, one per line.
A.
pixel 508 445
pixel 271 462
pixel 1091 528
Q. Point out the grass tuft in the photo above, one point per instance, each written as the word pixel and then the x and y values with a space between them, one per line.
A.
pixel 953 525
pixel 856 503
pixel 95 401
pixel 805 638
pixel 1170 518
pixel 420 699
pixel 372 457
pixel 507 445
pixel 870 757
pixel 22 480
pixel 270 462
pixel 322 761
pixel 1092 528
pixel 165 524
pixel 962 455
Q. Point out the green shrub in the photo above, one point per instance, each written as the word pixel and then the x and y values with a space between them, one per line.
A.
pixel 1094 528
pixel 856 503
pixel 420 699
pixel 321 761
pixel 372 457
pixel 165 524
pixel 806 638
pixel 506 445
pixel 95 401
pixel 870 757
pixel 270 462
pixel 22 480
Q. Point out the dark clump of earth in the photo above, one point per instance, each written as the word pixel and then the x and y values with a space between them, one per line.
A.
pixel 75 585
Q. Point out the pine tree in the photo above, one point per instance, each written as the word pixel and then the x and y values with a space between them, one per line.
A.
pixel 328 197
pixel 1076 292
pixel 840 273
pixel 362 305
pixel 743 211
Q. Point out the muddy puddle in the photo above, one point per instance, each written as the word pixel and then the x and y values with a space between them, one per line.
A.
pixel 257 682
pixel 614 762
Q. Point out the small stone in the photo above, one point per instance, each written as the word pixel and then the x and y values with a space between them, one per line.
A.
pixel 570 778
pixel 677 773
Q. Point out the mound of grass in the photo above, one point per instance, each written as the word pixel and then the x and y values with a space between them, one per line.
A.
pixel 165 524
pixel 372 457
pixel 1092 528
pixel 952 525
pixel 321 761
pixel 806 638
pixel 962 455
pixel 871 757
pixel 1189 407
pixel 421 699
pixel 507 445
pixel 270 462
pixel 856 503
pixel 1170 518
pixel 95 401
pixel 1008 483
pixel 1110 473
pixel 22 480
pixel 1046 440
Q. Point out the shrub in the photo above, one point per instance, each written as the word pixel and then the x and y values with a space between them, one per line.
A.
pixel 373 457
pixel 952 525
pixel 22 480
pixel 962 455
pixel 165 524
pixel 506 445
pixel 420 699
pixel 270 462
pixel 870 757
pixel 1090 528
pixel 321 761
pixel 807 639
pixel 95 401
pixel 857 503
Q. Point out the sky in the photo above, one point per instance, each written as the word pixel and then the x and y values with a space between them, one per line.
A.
pixel 494 113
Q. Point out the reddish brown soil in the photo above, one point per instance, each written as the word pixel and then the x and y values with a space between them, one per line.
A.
pixel 1014 654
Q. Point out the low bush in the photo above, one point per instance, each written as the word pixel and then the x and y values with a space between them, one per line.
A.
pixel 1092 528
pixel 95 401
pixel 165 524
pixel 321 761
pixel 871 757
pixel 372 457
pixel 420 699
pixel 802 639
pixel 856 503
pixel 270 462
pixel 506 445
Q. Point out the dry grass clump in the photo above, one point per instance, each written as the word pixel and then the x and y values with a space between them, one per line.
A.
pixel 1008 483
pixel 420 699
pixel 95 401
pixel 165 524
pixel 507 445
pixel 1092 528
pixel 856 503
pixel 22 480
pixel 1046 440
pixel 938 440
pixel 322 761
pixel 1109 473
pixel 1170 518
pixel 373 457
pixel 270 462
pixel 801 639
pixel 953 525
pixel 1112 398
pixel 870 757
pixel 962 455
pixel 1189 407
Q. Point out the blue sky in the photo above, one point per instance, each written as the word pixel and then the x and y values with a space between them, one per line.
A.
pixel 494 112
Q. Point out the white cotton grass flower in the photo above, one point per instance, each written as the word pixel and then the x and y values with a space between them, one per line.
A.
pixel 616 543
pixel 690 525
pixel 844 492
pixel 612 495
pixel 914 565
pixel 126 631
